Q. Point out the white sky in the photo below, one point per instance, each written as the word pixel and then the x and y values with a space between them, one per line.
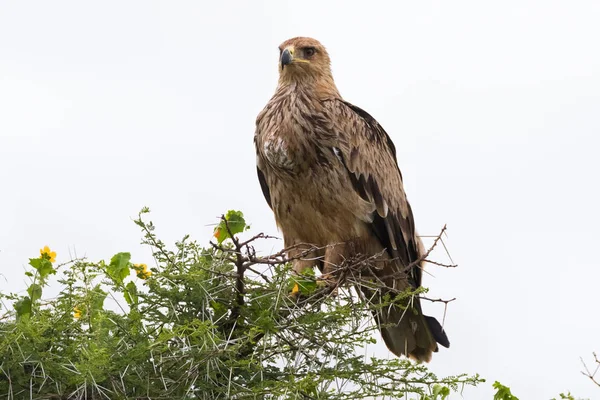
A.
pixel 494 108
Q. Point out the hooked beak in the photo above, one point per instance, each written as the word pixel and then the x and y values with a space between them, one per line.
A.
pixel 286 57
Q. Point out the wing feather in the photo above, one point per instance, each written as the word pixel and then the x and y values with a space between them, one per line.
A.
pixel 371 162
pixel 261 176
pixel 263 185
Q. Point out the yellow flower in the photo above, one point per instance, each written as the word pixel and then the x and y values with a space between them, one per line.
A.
pixel 142 271
pixel 48 253
pixel 77 312
pixel 295 290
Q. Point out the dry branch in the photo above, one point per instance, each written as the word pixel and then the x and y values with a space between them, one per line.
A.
pixel 588 373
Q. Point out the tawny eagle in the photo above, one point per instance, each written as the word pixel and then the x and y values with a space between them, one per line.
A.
pixel 329 172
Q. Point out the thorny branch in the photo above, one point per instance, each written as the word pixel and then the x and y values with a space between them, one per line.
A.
pixel 255 237
pixel 357 271
pixel 240 269
pixel 435 242
pixel 592 375
pixel 438 300
pixel 152 241
pixel 245 258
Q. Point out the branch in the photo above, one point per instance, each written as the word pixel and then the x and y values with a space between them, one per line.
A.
pixel 153 242
pixel 240 262
pixel 437 239
pixel 350 271
pixel 423 258
pixel 437 300
pixel 259 236
pixel 240 269
pixel 263 276
pixel 592 375
pixel 439 264
pixel 281 257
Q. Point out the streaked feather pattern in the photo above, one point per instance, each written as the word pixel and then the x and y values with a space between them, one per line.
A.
pixel 329 172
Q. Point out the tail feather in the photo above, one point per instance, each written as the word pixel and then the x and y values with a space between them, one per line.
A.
pixel 408 332
pixel 437 331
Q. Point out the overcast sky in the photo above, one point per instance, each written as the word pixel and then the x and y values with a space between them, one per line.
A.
pixel 494 108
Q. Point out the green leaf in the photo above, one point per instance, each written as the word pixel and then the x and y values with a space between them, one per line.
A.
pixel 503 392
pixel 35 263
pixel 23 307
pixel 440 392
pixel 97 296
pixel 35 291
pixel 43 267
pixel 220 309
pixel 118 269
pixel 235 221
pixel 307 283
pixel 131 293
pixel 46 269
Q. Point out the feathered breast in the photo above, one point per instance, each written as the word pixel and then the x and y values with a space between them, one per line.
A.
pixel 291 133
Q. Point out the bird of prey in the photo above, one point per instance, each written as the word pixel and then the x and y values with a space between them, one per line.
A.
pixel 329 172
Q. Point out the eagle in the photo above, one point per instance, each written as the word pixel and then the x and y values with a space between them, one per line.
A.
pixel 329 172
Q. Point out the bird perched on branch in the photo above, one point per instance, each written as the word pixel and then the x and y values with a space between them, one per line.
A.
pixel 329 172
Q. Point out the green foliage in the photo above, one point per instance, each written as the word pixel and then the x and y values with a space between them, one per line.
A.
pixel 438 392
pixel 213 322
pixel 232 224
pixel 119 267
pixel 43 266
pixel 567 396
pixel 23 307
pixel 503 392
pixel 306 283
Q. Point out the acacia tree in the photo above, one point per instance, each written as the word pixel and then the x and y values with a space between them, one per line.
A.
pixel 216 322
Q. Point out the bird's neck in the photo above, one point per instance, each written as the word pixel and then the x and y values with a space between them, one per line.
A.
pixel 322 88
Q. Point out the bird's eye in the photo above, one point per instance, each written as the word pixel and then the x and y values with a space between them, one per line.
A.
pixel 309 51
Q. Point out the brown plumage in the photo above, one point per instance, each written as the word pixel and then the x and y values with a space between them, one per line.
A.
pixel 329 172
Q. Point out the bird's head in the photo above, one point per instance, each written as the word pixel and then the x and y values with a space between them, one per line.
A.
pixel 303 59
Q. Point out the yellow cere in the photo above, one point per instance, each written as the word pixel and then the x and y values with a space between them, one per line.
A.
pixel 295 60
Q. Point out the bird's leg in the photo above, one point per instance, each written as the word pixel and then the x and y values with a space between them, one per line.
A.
pixel 334 257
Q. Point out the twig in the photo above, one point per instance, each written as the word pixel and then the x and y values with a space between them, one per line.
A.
pixel 154 243
pixel 265 278
pixel 437 239
pixel 592 375
pixel 439 264
pixel 255 237
pixel 417 262
pixel 437 300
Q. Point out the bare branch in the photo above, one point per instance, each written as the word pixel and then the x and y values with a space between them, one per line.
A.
pixel 256 237
pixel 437 239
pixel 263 276
pixel 439 264
pixel 437 300
pixel 588 373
